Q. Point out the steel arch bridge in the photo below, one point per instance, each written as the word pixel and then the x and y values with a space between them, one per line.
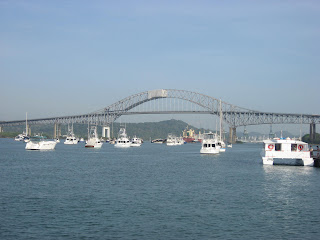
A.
pixel 233 115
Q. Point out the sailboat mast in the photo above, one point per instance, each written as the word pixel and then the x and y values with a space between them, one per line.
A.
pixel 220 120
pixel 27 123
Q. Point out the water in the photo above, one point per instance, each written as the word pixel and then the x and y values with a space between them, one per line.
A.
pixel 153 192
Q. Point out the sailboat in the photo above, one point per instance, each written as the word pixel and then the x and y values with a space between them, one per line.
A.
pixel 24 136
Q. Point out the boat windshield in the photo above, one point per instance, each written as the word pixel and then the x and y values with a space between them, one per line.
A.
pixel 37 138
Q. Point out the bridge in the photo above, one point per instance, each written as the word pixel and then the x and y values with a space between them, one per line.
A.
pixel 172 101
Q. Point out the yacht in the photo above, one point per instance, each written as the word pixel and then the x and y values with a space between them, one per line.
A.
pixel 24 136
pixel 40 143
pixel 210 144
pixel 285 150
pixel 172 140
pixel 93 140
pixel 136 142
pixel 222 145
pixel 123 140
pixel 71 139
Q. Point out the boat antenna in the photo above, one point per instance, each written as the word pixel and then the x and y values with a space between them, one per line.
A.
pixel 26 123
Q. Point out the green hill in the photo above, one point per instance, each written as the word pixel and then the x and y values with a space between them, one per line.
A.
pixel 144 130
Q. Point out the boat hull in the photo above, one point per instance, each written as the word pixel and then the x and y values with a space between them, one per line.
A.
pixel 46 145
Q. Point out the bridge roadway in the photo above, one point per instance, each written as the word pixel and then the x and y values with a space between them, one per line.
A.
pixel 233 115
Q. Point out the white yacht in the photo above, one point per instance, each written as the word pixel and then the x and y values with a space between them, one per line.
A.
pixel 136 142
pixel 283 149
pixel 71 139
pixel 40 143
pixel 93 140
pixel 222 145
pixel 172 140
pixel 210 144
pixel 123 140
pixel 24 136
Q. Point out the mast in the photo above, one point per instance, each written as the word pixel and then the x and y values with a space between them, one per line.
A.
pixel 26 123
pixel 220 121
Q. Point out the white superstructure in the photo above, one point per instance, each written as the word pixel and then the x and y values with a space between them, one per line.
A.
pixel 210 144
pixel 123 140
pixel 71 139
pixel 40 143
pixel 286 149
pixel 93 140
pixel 172 140
pixel 136 142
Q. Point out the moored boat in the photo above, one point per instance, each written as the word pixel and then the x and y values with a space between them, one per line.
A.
pixel 40 143
pixel 93 140
pixel 122 140
pixel 136 142
pixel 209 144
pixel 282 150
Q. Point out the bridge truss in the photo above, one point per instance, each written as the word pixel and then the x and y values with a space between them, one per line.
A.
pixel 233 115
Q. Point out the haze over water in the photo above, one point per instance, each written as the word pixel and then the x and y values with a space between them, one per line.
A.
pixel 153 192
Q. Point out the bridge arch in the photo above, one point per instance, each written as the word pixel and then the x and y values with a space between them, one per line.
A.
pixel 211 104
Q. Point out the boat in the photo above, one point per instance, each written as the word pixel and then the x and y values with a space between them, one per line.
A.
pixel 40 143
pixel 188 135
pixel 229 145
pixel 220 140
pixel 71 139
pixel 57 140
pixel 209 144
pixel 136 142
pixel 157 141
pixel 122 140
pixel 24 136
pixel 285 150
pixel 93 140
pixel 172 140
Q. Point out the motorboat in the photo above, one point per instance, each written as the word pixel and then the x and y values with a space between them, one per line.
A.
pixel 136 142
pixel 210 144
pixel 222 145
pixel 172 140
pixel 229 145
pixel 157 141
pixel 93 140
pixel 122 140
pixel 285 150
pixel 40 143
pixel 71 139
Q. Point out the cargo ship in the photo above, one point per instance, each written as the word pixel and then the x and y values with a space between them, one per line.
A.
pixel 188 135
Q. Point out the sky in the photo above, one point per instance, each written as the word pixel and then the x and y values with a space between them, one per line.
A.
pixel 62 58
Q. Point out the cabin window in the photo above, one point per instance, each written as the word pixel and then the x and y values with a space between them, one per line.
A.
pixel 213 145
pixel 277 147
pixel 205 145
pixel 293 147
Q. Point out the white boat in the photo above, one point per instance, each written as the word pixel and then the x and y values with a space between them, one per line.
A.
pixel 172 140
pixel 93 140
pixel 81 139
pixel 229 145
pixel 284 150
pixel 222 145
pixel 157 141
pixel 57 140
pixel 40 143
pixel 210 144
pixel 136 142
pixel 24 136
pixel 71 139
pixel 122 140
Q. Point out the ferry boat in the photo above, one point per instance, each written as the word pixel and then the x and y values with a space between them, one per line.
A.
pixel 93 140
pixel 210 144
pixel 71 139
pixel 123 140
pixel 282 149
pixel 136 142
pixel 40 143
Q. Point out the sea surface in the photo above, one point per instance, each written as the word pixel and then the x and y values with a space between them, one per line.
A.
pixel 154 192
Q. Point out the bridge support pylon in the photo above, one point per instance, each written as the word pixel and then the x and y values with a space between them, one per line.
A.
pixel 104 130
pixel 57 131
pixel 312 132
pixel 232 135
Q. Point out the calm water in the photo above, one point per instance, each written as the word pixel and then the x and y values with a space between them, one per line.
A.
pixel 154 192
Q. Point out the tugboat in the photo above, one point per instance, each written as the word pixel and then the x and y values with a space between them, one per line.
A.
pixel 286 149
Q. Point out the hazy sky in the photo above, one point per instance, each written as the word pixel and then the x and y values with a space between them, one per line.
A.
pixel 72 57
